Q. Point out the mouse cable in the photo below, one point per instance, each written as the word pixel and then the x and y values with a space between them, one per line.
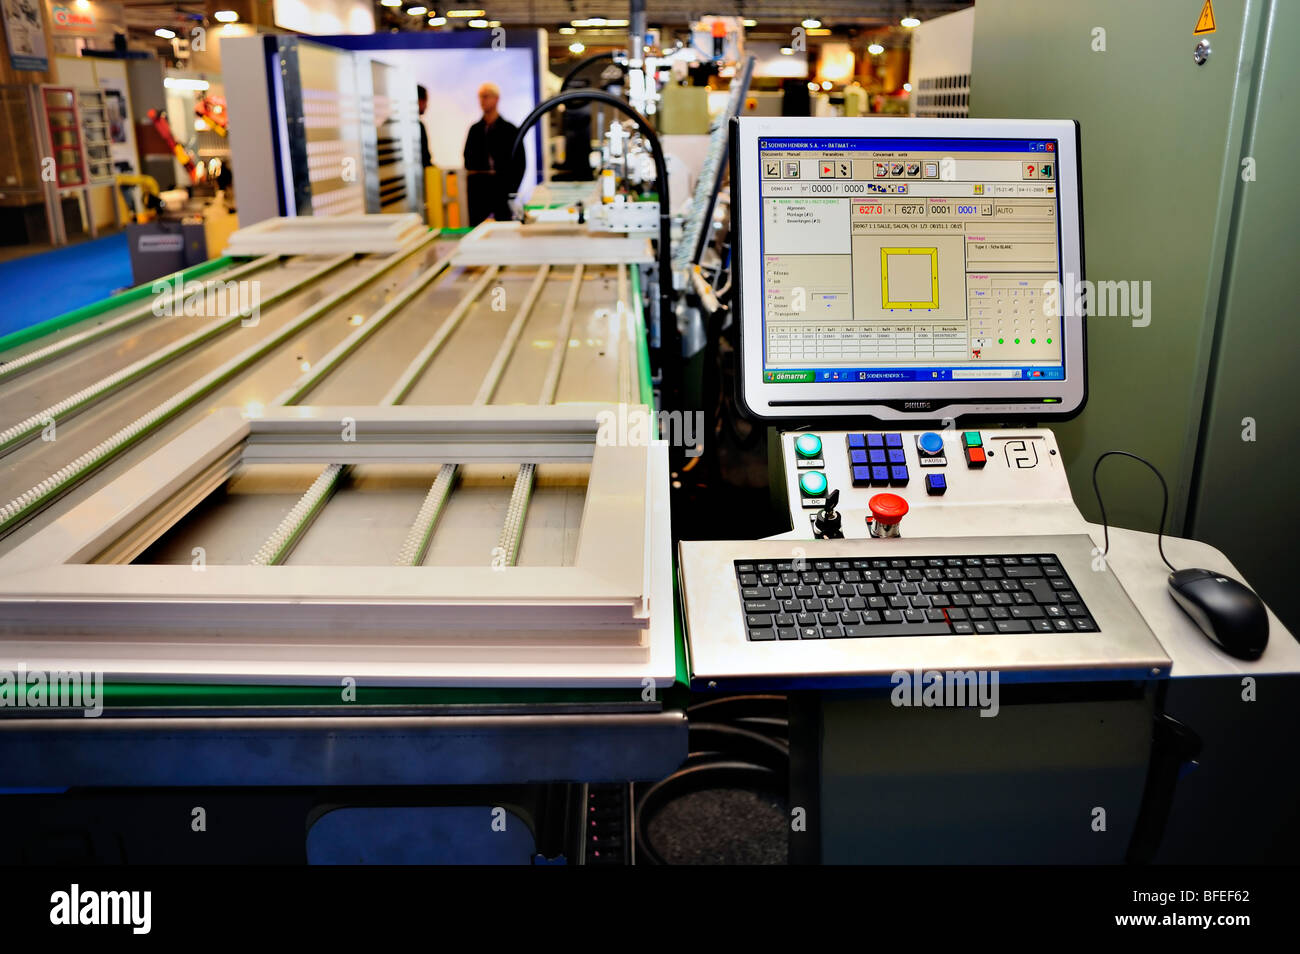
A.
pixel 1164 503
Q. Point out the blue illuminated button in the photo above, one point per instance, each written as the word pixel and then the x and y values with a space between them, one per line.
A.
pixel 861 476
pixel 812 483
pixel 897 456
pixel 893 440
pixel 857 440
pixel 880 476
pixel 935 485
pixel 877 456
pixel 808 445
pixel 930 444
pixel 857 457
pixel 898 476
pixel 875 440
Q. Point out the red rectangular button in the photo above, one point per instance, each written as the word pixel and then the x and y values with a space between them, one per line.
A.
pixel 975 457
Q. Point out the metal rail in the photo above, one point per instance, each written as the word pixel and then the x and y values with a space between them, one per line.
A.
pixel 26 362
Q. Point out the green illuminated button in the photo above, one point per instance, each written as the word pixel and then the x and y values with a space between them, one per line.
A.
pixel 972 439
pixel 808 445
pixel 812 484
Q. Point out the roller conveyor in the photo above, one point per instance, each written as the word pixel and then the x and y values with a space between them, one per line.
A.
pixel 453 376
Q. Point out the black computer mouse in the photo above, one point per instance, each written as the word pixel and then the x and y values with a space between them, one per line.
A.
pixel 1226 611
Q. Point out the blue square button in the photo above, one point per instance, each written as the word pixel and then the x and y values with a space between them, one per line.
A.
pixel 875 440
pixel 893 440
pixel 897 457
pixel 877 456
pixel 898 476
pixel 861 476
pixel 857 457
pixel 880 475
pixel 935 484
pixel 857 440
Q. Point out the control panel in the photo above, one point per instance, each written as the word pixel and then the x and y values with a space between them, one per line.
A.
pixel 952 482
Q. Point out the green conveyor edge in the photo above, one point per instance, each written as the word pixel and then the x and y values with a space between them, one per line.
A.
pixel 96 308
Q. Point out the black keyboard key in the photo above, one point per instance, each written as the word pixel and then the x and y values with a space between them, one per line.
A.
pixel 909 629
pixel 850 617
pixel 787 632
pixel 784 619
pixel 1013 626
pixel 1022 572
pixel 762 606
pixel 985 627
pixel 935 616
pixel 833 632
pixel 963 629
pixel 1043 626
pixel 892 616
pixel 762 635
pixel 809 632
pixel 1084 625
pixel 756 622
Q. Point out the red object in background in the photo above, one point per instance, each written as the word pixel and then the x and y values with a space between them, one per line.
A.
pixel 719 29
pixel 164 129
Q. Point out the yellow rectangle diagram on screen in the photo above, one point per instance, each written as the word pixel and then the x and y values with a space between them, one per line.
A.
pixel 887 302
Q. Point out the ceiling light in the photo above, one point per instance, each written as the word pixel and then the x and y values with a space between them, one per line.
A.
pixel 827 84
pixel 568 31
pixel 875 49
pixel 494 23
pixel 466 14
pixel 177 82
pixel 437 21
pixel 811 23
pixel 576 47
pixel 907 87
pixel 819 32
pixel 390 3
pixel 812 87
pixel 416 11
pixel 909 21
pixel 786 51
pixel 750 23
pixel 225 16
pixel 165 33
pixel 478 23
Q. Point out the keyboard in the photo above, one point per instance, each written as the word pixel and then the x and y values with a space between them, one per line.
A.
pixel 848 598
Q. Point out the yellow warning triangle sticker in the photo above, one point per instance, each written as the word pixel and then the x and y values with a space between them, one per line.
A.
pixel 1206 23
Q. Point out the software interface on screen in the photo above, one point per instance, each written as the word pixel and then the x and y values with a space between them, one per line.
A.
pixel 910 260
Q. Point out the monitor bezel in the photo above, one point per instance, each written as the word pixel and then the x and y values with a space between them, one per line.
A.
pixel 909 401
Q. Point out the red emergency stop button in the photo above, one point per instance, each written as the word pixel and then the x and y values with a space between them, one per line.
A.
pixel 886 512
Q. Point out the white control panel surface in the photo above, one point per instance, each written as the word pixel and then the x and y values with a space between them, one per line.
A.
pixel 966 482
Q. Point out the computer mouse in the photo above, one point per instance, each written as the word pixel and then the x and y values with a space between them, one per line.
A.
pixel 1226 611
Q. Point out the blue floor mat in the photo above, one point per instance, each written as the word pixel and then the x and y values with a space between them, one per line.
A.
pixel 41 286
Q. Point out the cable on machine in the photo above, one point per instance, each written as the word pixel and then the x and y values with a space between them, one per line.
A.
pixel 670 340
pixel 1164 503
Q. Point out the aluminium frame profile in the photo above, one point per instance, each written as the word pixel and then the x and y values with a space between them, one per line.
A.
pixel 47 585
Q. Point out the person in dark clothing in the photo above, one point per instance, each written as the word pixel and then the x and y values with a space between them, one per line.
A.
pixel 422 97
pixel 492 173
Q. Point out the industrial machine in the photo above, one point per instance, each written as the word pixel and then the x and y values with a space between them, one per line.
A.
pixel 900 311
pixel 377 536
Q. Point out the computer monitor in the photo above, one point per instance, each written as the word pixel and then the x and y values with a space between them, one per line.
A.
pixel 908 269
